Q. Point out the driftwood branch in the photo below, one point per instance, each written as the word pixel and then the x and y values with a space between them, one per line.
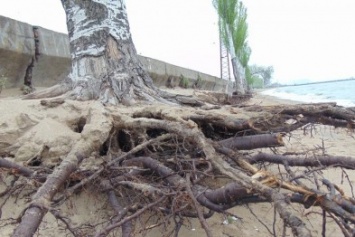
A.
pixel 131 217
pixel 15 168
pixel 253 142
pixel 40 204
pixel 120 213
pixel 41 201
pixel 311 161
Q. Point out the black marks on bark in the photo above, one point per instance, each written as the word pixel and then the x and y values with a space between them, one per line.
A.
pixel 94 11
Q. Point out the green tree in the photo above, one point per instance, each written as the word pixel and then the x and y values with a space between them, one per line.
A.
pixel 234 31
pixel 262 72
pixel 244 59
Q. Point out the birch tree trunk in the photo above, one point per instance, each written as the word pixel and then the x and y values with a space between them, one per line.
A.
pixel 105 65
pixel 236 65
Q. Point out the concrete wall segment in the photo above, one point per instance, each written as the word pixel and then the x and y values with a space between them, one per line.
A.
pixel 52 43
pixel 16 36
pixel 17 48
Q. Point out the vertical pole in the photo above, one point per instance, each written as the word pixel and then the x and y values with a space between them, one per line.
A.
pixel 224 58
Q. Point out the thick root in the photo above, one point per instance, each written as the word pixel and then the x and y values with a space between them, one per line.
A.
pixel 50 92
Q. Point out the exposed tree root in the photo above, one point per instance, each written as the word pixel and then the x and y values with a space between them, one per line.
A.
pixel 137 93
pixel 156 161
pixel 312 161
pixel 41 200
pixel 253 142
pixel 50 92
pixel 121 212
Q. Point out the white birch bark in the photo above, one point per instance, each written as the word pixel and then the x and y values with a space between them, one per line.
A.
pixel 236 65
pixel 105 65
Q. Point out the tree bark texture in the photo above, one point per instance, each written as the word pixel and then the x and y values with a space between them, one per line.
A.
pixel 236 65
pixel 238 72
pixel 105 65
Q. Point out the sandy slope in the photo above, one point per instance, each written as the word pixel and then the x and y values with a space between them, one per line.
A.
pixel 18 118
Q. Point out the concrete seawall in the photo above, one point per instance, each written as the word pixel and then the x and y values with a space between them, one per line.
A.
pixel 17 47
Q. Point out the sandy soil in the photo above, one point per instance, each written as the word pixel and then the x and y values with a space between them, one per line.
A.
pixel 18 119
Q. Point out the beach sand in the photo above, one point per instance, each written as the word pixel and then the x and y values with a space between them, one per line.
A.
pixel 92 207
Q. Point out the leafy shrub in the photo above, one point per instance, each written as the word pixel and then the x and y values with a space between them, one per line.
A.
pixel 3 80
pixel 184 81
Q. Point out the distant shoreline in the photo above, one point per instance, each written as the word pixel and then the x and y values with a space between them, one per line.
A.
pixel 311 83
pixel 269 100
pixel 340 92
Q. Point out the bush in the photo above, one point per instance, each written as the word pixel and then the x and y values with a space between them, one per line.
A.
pixel 3 80
pixel 184 81
pixel 258 83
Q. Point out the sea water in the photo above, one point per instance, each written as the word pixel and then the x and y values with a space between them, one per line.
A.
pixel 341 92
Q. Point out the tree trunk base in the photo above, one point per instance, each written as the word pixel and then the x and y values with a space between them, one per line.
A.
pixel 132 94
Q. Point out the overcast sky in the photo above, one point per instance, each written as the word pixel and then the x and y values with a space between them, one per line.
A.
pixel 302 40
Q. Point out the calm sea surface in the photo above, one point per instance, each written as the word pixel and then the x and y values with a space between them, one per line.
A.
pixel 342 92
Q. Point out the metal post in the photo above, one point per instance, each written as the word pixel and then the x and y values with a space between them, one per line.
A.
pixel 224 61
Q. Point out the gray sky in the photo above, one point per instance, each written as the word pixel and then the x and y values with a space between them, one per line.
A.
pixel 303 39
